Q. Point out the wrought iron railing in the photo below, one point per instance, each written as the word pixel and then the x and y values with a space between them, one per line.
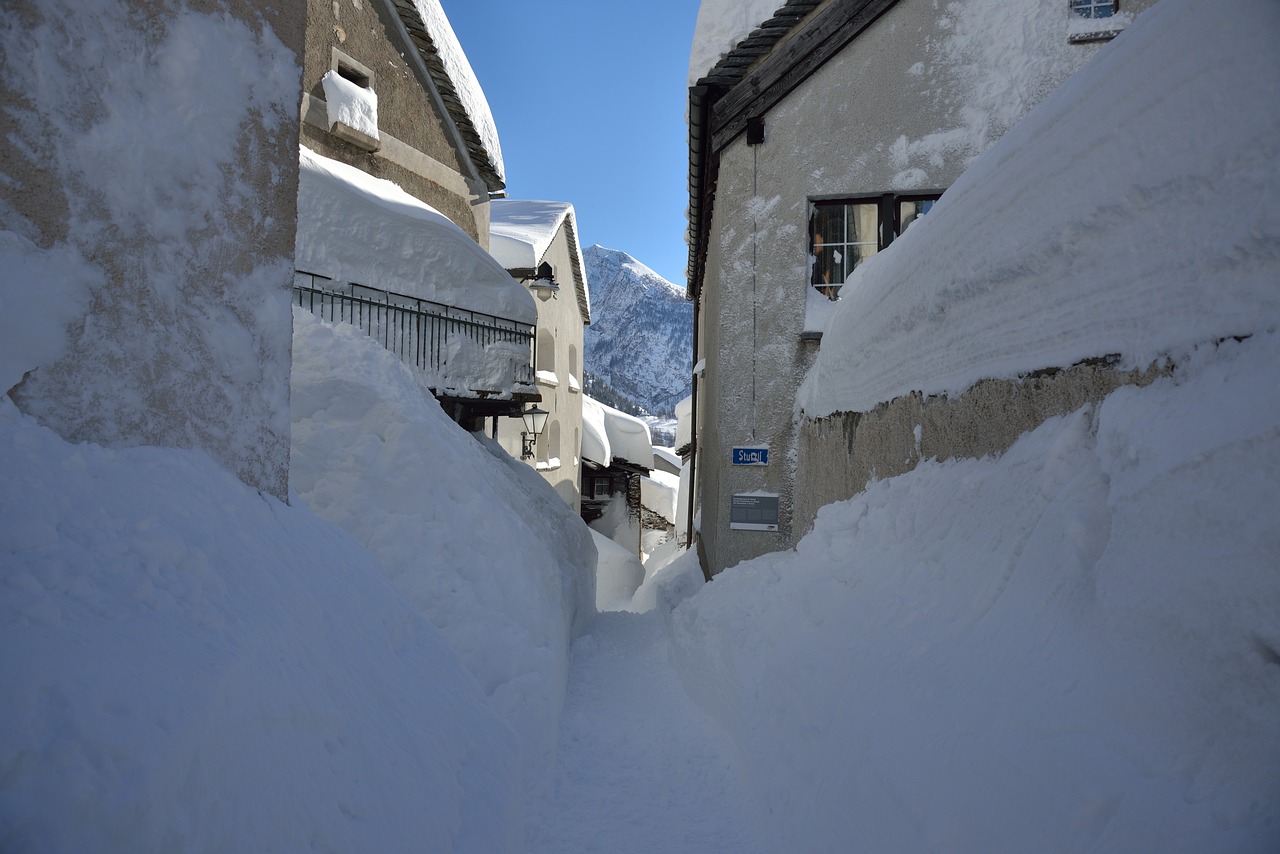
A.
pixel 418 331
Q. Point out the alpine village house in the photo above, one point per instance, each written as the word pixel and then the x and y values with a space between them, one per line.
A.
pixel 396 127
pixel 813 144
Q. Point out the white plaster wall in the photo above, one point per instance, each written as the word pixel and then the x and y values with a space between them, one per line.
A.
pixel 562 317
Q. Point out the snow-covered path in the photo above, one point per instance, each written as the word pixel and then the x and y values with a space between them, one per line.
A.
pixel 640 767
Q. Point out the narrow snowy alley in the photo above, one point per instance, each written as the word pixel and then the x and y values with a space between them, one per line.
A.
pixel 640 767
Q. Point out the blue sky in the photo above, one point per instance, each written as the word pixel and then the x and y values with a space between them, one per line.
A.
pixel 589 98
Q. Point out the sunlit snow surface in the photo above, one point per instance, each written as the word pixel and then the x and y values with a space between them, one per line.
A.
pixel 477 541
pixel 1136 212
pixel 189 665
pixel 353 227
pixel 1071 648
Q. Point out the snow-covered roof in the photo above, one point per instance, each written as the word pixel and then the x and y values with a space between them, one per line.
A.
pixel 608 435
pixel 730 37
pixel 658 492
pixel 724 24
pixel 684 422
pixel 667 454
pixel 430 31
pixel 521 232
pixel 353 227
pixel 1123 253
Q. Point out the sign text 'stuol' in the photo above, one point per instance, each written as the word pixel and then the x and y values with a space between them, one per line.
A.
pixel 751 456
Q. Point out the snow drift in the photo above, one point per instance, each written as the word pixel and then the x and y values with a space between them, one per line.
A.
pixel 1071 648
pixel 191 665
pixel 1111 220
pixel 481 545
pixel 353 227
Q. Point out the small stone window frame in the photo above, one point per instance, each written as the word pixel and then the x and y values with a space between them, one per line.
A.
pixel 361 76
pixel 349 69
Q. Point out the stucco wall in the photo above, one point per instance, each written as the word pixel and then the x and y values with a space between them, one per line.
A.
pixel 893 111
pixel 152 145
pixel 561 317
pixel 419 149
pixel 841 454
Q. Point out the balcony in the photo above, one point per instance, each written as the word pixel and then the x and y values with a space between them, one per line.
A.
pixel 481 363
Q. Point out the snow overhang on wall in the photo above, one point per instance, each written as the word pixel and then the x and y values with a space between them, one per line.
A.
pixel 353 227
pixel 609 435
pixel 684 422
pixel 667 455
pixel 352 111
pixel 595 438
pixel 658 492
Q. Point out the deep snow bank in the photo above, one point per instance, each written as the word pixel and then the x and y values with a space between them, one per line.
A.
pixel 1135 212
pixel 353 227
pixel 188 665
pixel 481 544
pixel 1071 648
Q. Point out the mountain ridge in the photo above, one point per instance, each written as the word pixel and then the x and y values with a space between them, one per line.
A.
pixel 640 341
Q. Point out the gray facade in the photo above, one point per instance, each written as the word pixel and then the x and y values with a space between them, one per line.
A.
pixel 888 107
pixel 423 145
pixel 167 188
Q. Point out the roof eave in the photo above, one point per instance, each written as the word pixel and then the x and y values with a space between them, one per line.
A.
pixel 481 159
pixel 747 82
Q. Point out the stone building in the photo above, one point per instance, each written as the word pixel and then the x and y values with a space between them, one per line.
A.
pixel 150 175
pixel 538 244
pixel 813 144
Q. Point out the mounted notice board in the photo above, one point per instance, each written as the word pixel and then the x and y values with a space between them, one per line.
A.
pixel 754 512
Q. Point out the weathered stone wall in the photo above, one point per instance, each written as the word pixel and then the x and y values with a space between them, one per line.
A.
pixel 151 163
pixel 420 151
pixel 839 455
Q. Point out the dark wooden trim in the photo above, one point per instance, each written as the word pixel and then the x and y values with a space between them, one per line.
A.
pixel 790 63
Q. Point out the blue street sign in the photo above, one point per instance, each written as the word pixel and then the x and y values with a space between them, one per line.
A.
pixel 751 456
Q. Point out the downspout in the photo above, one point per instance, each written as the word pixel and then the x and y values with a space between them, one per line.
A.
pixel 693 439
pixel 701 98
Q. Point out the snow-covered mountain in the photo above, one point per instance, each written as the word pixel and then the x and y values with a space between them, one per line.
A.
pixel 640 341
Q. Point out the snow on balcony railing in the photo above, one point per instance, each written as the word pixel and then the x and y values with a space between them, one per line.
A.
pixel 466 353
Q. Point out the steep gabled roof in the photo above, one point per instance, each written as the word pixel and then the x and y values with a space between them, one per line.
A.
pixel 760 71
pixel 446 63
pixel 521 232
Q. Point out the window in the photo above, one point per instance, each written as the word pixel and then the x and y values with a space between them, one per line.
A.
pixel 601 488
pixel 351 102
pixel 546 350
pixel 1094 8
pixel 844 233
pixel 1095 21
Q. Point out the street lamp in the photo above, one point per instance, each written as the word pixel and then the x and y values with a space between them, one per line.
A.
pixel 544 283
pixel 535 420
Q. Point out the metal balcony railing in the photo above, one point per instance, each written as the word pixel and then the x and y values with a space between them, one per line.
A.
pixel 418 331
